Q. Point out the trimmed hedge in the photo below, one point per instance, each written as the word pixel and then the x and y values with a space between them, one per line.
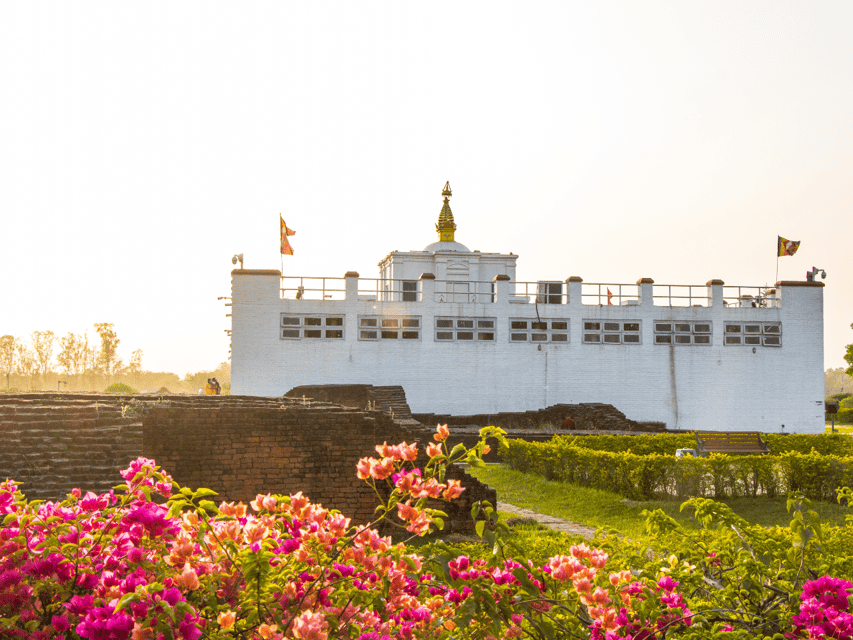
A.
pixel 844 416
pixel 798 463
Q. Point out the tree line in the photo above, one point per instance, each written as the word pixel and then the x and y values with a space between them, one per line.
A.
pixel 80 362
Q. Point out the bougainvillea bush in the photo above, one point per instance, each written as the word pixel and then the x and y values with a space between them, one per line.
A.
pixel 155 561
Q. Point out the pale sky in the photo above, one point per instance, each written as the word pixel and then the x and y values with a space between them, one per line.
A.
pixel 143 144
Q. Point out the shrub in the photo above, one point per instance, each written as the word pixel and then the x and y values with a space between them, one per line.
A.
pixel 153 560
pixel 813 464
pixel 120 387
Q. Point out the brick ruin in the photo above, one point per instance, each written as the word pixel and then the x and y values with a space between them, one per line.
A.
pixel 238 446
pixel 588 416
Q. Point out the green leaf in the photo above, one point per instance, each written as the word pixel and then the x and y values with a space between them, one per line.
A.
pixel 176 507
pixel 125 599
pixel 481 524
pixel 209 506
pixel 458 449
pixel 204 493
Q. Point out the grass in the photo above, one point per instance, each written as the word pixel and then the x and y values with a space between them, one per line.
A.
pixel 839 428
pixel 596 508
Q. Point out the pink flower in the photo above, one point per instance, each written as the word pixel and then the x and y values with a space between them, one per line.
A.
pixel 189 628
pixel 267 502
pixel 60 623
pixel 310 626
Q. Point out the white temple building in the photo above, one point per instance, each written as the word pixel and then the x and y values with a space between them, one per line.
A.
pixel 462 336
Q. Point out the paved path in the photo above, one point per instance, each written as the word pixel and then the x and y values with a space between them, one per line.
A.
pixel 557 524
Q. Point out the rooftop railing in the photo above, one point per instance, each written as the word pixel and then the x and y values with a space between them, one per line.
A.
pixel 540 292
pixel 759 297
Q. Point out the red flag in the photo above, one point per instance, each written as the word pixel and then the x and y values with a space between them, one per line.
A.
pixel 286 249
pixel 785 247
pixel 609 296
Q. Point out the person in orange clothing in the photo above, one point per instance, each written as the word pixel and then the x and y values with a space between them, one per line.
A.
pixel 210 389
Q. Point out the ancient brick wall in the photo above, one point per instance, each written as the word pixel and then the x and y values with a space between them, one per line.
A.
pixel 53 443
pixel 282 448
pixel 237 446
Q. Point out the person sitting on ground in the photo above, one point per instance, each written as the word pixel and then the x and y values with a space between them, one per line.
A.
pixel 217 388
pixel 209 389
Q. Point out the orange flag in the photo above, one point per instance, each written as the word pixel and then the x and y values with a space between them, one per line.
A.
pixel 286 249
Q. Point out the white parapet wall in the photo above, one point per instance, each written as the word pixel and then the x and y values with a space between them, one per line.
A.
pixel 706 366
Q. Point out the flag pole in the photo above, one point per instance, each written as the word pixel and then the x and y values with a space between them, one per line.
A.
pixel 778 245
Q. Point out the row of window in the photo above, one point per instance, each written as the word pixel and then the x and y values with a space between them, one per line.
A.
pixel 768 334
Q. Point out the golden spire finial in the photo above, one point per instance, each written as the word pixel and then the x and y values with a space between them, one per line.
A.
pixel 446 227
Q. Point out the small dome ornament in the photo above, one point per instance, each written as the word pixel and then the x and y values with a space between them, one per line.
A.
pixel 446 227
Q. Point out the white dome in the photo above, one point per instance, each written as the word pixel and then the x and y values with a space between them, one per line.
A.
pixel 447 246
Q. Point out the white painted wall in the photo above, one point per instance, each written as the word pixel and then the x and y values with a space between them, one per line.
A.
pixel 687 387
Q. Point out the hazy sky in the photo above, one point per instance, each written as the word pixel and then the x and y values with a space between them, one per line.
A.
pixel 142 144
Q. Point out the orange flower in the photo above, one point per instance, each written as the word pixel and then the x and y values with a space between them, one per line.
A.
pixel 441 433
pixel 298 502
pixel 188 578
pixel 233 510
pixel 406 511
pixel 408 452
pixel 433 449
pixel 142 633
pixel 454 490
pixel 363 467
pixel 381 469
pixel 383 449
pixel 310 626
pixel 226 619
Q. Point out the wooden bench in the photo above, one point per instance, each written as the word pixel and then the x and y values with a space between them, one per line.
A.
pixel 731 442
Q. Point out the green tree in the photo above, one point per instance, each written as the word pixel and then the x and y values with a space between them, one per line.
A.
pixel 849 357
pixel 108 359
pixel 26 361
pixel 72 354
pixel 43 349
pixel 836 381
pixel 7 355
pixel 135 365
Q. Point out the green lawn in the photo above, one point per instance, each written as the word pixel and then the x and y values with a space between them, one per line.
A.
pixel 597 508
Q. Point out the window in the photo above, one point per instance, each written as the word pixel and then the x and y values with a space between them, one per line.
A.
pixel 529 330
pixel 611 332
pixel 389 328
pixel 755 334
pixel 312 327
pixel 410 290
pixel 683 332
pixel 465 329
pixel 549 292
